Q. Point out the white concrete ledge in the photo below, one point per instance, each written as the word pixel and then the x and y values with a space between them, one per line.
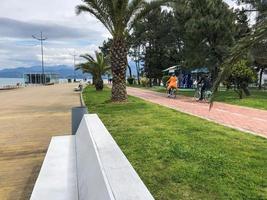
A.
pixel 88 166
pixel 57 178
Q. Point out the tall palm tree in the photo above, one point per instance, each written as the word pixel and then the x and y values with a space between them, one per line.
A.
pixel 96 67
pixel 118 17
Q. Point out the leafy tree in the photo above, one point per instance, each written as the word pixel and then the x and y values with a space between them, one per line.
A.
pixel 135 54
pixel 259 50
pixel 259 53
pixel 156 37
pixel 118 17
pixel 209 30
pixel 96 67
pixel 105 48
pixel 258 34
pixel 242 24
pixel 259 6
pixel 241 75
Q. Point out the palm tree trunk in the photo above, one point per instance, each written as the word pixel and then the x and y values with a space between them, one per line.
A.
pixel 119 65
pixel 99 85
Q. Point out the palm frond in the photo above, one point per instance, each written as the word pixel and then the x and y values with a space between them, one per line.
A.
pixel 236 53
pixel 144 8
pixel 88 57
pixel 97 66
pixel 101 10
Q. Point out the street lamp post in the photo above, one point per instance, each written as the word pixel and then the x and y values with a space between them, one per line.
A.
pixel 74 65
pixel 41 39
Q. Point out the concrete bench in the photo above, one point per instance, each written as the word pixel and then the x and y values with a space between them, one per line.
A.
pixel 88 166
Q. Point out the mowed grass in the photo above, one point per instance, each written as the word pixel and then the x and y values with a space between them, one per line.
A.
pixel 258 99
pixel 179 156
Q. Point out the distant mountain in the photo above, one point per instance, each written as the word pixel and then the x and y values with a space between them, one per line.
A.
pixel 64 71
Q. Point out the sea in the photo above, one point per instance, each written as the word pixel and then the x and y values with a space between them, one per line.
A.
pixel 13 81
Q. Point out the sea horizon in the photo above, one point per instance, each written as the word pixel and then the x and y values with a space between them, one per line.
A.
pixel 10 81
pixel 14 81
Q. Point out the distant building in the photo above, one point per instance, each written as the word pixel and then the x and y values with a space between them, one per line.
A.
pixel 39 78
pixel 186 77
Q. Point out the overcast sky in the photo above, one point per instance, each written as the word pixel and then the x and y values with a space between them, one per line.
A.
pixel 66 32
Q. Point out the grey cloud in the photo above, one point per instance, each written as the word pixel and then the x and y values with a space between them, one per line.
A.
pixel 14 55
pixel 18 29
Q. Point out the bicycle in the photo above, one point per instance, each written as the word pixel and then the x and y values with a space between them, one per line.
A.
pixel 172 93
pixel 206 96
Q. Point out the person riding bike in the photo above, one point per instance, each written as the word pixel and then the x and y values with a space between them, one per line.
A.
pixel 172 84
pixel 205 85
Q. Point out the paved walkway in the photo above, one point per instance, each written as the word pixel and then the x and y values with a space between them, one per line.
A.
pixel 29 117
pixel 246 119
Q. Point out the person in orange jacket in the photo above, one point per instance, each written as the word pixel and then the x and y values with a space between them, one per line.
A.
pixel 172 83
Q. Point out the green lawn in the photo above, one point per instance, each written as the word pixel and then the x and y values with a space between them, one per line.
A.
pixel 258 99
pixel 179 156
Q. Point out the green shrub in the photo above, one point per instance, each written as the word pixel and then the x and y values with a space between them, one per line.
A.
pixel 241 75
pixel 144 81
pixel 130 80
pixel 165 79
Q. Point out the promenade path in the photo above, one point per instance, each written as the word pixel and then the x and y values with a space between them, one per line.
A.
pixel 29 117
pixel 245 119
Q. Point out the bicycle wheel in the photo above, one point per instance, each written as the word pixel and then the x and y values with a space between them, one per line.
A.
pixel 197 95
pixel 174 93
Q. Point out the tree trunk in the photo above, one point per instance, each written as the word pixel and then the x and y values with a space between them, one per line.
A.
pixel 138 65
pixel 99 85
pixel 239 92
pixel 94 80
pixel 150 82
pixel 130 71
pixel 137 71
pixel 260 81
pixel 244 87
pixel 118 66
pixel 214 74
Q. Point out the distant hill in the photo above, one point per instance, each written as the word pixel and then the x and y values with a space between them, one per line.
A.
pixel 64 71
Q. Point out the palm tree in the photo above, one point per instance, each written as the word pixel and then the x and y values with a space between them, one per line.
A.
pixel 118 16
pixel 96 67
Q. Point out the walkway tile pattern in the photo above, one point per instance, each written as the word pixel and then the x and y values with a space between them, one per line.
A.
pixel 245 119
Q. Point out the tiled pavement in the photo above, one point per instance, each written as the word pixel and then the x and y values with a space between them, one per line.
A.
pixel 246 119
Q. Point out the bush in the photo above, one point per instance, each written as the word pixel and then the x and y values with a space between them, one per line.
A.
pixel 130 80
pixel 165 79
pixel 241 76
pixel 144 81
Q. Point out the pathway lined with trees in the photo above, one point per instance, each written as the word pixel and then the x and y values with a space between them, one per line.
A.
pixel 245 119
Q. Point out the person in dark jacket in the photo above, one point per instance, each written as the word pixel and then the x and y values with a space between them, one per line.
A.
pixel 205 85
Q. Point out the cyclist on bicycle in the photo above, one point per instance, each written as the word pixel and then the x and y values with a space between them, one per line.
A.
pixel 205 85
pixel 172 84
